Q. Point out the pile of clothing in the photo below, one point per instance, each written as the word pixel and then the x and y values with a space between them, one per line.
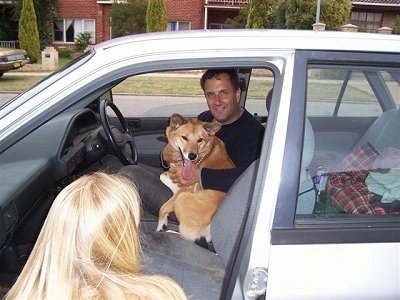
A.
pixel 369 182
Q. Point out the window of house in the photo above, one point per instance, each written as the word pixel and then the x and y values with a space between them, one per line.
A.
pixel 367 21
pixel 178 25
pixel 66 30
pixel 218 26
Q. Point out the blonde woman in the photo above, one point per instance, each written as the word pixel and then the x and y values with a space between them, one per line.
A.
pixel 89 247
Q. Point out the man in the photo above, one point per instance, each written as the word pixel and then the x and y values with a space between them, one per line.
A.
pixel 240 131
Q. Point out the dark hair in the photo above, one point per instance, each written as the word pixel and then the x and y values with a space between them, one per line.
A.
pixel 215 73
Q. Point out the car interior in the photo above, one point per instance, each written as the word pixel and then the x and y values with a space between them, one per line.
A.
pixel 104 135
pixel 81 140
pixel 359 139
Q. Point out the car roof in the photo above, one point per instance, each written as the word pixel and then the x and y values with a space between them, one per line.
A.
pixel 260 39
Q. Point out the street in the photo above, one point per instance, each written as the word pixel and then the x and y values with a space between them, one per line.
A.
pixel 141 105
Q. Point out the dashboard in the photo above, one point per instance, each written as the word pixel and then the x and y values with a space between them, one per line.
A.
pixel 36 167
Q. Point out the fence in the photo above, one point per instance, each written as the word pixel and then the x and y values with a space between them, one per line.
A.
pixel 228 2
pixel 8 44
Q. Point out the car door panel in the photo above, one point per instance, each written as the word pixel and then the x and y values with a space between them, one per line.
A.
pixel 149 137
pixel 366 269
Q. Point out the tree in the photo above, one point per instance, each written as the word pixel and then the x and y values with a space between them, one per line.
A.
pixel 156 16
pixel 240 20
pixel 301 14
pixel 46 14
pixel 28 34
pixel 396 25
pixel 280 14
pixel 128 18
pixel 335 13
pixel 261 14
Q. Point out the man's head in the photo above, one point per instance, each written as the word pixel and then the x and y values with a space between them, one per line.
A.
pixel 222 92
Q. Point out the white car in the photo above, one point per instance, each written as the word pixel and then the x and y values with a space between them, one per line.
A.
pixel 316 217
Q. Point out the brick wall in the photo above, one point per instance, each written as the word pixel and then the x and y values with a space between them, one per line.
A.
pixel 182 10
pixel 88 9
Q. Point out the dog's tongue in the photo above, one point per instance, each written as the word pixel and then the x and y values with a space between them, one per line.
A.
pixel 187 170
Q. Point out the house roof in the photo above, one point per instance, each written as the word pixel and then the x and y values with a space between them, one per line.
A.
pixel 377 2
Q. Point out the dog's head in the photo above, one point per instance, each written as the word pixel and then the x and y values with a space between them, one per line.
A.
pixel 193 138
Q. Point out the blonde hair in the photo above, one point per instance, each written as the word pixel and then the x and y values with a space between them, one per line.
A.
pixel 89 247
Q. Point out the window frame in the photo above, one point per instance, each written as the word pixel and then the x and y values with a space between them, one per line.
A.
pixel 291 229
pixel 83 25
pixel 174 25
pixel 364 22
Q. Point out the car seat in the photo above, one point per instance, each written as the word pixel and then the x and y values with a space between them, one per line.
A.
pixel 307 196
pixel 384 132
pixel 201 272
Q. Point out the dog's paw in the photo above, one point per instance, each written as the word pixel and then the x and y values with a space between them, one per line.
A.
pixel 162 223
pixel 202 242
pixel 162 227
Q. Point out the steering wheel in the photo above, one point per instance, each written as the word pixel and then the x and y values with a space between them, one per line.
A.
pixel 121 140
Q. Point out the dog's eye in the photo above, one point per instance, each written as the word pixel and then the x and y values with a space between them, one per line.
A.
pixel 200 140
pixel 184 138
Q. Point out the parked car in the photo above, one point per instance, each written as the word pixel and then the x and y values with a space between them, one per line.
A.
pixel 12 59
pixel 317 216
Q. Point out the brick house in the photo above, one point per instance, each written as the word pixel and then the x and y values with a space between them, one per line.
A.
pixel 93 16
pixel 371 15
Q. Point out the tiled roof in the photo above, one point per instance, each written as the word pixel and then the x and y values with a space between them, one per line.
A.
pixel 377 2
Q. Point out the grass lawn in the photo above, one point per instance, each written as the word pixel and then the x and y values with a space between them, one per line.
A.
pixel 178 85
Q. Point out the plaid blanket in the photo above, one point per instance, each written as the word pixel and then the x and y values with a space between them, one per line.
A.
pixel 347 190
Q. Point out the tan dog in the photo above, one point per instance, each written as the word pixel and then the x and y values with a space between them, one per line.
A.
pixel 194 207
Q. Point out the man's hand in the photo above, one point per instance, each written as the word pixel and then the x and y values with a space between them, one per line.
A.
pixel 170 155
pixel 176 171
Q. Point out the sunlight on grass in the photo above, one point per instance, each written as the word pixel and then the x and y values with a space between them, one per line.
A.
pixel 16 83
pixel 329 91
pixel 190 86
pixel 160 85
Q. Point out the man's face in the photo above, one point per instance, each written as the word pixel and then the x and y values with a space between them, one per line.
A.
pixel 222 99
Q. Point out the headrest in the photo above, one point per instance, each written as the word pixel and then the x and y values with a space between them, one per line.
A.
pixel 308 149
pixel 268 99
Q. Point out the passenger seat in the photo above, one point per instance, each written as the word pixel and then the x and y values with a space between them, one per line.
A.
pixel 200 272
pixel 384 132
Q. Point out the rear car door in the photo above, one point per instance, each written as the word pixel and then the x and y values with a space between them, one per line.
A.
pixel 339 238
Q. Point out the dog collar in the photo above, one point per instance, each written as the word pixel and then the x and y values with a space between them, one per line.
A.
pixel 199 162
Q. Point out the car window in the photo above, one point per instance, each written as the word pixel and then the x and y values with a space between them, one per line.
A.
pixel 341 90
pixel 162 93
pixel 261 82
pixel 351 144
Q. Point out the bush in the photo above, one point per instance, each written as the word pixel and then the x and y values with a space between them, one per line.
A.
pixel 396 25
pixel 82 41
pixel 64 53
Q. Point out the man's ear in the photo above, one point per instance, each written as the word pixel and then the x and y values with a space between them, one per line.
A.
pixel 176 120
pixel 212 127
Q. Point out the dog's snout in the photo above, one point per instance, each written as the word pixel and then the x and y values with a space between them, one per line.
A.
pixel 192 156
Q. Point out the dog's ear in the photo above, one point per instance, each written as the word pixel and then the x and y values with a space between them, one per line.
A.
pixel 176 120
pixel 212 127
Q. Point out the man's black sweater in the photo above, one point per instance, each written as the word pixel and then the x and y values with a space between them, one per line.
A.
pixel 243 139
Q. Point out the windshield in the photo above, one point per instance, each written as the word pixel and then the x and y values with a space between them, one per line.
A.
pixel 9 100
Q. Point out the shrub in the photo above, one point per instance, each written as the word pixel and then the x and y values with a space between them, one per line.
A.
pixel 396 25
pixel 82 41
pixel 64 53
